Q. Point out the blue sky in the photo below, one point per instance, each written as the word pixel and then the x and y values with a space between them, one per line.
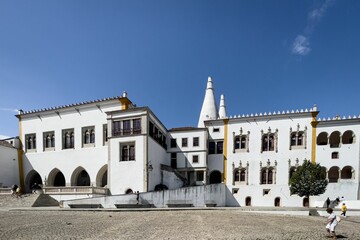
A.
pixel 263 55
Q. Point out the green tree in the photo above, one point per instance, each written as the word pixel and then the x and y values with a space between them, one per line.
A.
pixel 308 180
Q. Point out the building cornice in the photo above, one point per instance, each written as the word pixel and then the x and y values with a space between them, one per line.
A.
pixel 73 106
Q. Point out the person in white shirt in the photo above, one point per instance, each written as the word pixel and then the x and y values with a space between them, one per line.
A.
pixel 331 223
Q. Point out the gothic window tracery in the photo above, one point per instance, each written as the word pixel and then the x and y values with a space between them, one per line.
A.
pixel 240 174
pixel 241 141
pixel 269 141
pixel 298 138
pixel 268 173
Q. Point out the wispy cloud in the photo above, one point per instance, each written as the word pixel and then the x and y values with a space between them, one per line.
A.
pixel 301 44
pixel 318 13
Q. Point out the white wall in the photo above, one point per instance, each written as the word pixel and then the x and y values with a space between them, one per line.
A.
pixel 126 175
pixel 9 168
pixel 197 196
pixel 185 154
pixel 348 156
pixel 279 159
pixel 156 156
pixel 92 159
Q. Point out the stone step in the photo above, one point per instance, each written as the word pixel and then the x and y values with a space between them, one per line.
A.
pixel 124 205
pixel 28 200
pixel 25 200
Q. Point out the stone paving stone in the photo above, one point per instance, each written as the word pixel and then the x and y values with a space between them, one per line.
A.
pixel 187 224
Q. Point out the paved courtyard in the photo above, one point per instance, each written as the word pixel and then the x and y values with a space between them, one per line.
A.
pixel 204 224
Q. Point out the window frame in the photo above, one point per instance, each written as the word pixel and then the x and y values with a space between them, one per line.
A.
pixel 195 157
pixel 49 135
pixel 68 138
pixel 88 136
pixel 173 143
pixel 184 142
pixel 129 155
pixel 30 140
pixel 196 141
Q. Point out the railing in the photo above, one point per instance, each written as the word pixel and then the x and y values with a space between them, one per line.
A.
pixel 78 190
pixel 126 132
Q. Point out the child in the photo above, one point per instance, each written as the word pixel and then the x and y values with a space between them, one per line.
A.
pixel 331 223
pixel 18 192
pixel 343 210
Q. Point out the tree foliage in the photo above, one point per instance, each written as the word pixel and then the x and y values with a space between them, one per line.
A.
pixel 308 180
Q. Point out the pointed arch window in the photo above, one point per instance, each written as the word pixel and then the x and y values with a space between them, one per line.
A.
pixel 298 138
pixel 268 173
pixel 88 136
pixel 49 141
pixel 68 138
pixel 269 140
pixel 241 142
pixel 240 174
pixel 30 142
pixel 92 136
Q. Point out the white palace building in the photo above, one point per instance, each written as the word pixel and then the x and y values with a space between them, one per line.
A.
pixel 114 145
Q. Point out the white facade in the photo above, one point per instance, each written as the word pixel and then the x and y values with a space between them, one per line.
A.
pixel 127 149
pixel 258 154
pixel 187 149
pixel 66 146
pixel 337 149
pixel 137 149
pixel 9 166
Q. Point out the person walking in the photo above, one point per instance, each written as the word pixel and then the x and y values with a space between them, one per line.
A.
pixel 18 192
pixel 327 202
pixel 343 210
pixel 331 223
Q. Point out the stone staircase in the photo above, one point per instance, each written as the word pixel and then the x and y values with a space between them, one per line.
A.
pixel 175 171
pixel 27 200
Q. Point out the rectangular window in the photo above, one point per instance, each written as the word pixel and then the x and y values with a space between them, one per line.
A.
pixel 156 133
pixel 200 176
pixel 173 160
pixel 105 134
pixel 195 141
pixel 173 142
pixel 49 141
pixel 137 126
pixel 151 129
pixel 219 147
pixel 68 138
pixel 195 159
pixel 127 151
pixel 116 128
pixel 211 147
pixel 126 127
pixel 30 142
pixel 216 129
pixel 184 142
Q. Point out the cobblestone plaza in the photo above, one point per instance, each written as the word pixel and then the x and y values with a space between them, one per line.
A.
pixel 184 224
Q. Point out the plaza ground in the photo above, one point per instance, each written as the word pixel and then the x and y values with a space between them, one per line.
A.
pixel 185 224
